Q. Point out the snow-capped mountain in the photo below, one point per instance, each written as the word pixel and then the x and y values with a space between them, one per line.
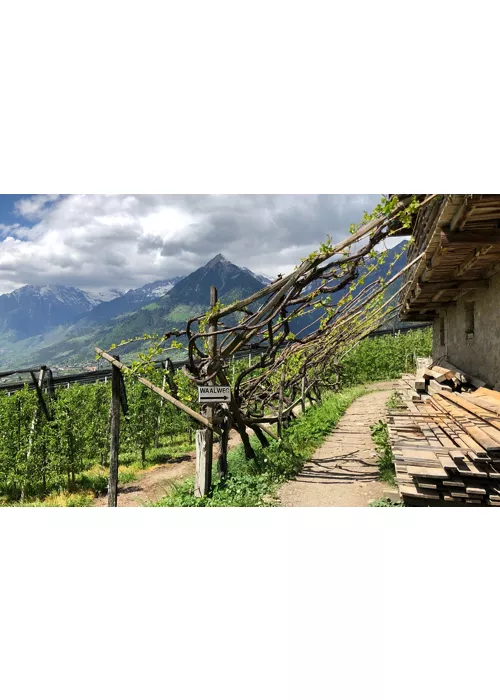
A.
pixel 262 278
pixel 30 310
pixel 107 295
pixel 126 303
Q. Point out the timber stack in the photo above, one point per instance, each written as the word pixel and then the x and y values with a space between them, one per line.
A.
pixel 446 446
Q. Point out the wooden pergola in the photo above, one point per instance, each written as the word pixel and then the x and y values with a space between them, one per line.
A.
pixel 459 236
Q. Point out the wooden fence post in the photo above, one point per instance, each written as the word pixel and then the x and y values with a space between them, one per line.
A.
pixel 38 387
pixel 302 394
pixel 115 437
pixel 224 439
pixel 205 437
pixel 158 425
pixel 281 401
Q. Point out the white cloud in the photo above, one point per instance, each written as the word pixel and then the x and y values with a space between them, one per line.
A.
pixel 100 242
pixel 32 207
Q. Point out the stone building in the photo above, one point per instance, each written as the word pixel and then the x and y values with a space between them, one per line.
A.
pixel 456 281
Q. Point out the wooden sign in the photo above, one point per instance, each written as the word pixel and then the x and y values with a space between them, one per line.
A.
pixel 214 394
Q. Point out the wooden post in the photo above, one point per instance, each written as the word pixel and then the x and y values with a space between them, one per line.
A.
pixel 205 437
pixel 50 384
pixel 158 425
pixel 41 402
pixel 302 394
pixel 202 481
pixel 115 438
pixel 38 388
pixel 281 400
pixel 224 439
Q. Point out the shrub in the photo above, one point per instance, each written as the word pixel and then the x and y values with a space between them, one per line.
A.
pixel 385 357
pixel 380 436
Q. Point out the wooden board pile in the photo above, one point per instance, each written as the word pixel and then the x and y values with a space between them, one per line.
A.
pixel 447 449
pixel 432 379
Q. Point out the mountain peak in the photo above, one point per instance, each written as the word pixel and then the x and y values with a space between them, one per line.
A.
pixel 219 258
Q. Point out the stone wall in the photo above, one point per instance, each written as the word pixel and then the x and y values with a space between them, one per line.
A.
pixel 477 353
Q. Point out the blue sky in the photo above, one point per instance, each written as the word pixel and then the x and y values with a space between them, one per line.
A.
pixel 103 242
pixel 7 214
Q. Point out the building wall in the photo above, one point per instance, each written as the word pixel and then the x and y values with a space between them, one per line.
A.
pixel 477 354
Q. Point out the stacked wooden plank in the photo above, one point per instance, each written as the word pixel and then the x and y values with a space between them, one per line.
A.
pixel 431 378
pixel 447 449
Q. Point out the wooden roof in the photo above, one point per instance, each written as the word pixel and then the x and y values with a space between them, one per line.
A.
pixel 460 238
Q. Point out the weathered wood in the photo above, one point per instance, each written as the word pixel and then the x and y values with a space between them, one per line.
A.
pixel 203 479
pixel 441 287
pixel 41 402
pixel 435 388
pixel 464 377
pixel 280 407
pixel 203 474
pixel 158 422
pixel 470 261
pixel 38 388
pixel 474 237
pixel 223 445
pixel 114 438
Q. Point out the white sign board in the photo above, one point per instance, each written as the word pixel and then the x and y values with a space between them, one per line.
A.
pixel 214 394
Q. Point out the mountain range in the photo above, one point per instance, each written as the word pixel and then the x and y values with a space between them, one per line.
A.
pixel 60 326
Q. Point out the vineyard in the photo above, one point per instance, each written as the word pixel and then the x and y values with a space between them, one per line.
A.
pixel 70 453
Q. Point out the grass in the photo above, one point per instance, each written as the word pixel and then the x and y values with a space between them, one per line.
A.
pixel 61 499
pixel 380 436
pixel 254 483
pixel 385 503
pixel 395 401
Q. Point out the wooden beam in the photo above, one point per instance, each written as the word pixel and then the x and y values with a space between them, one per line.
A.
pixel 427 273
pixel 175 402
pixel 114 447
pixel 38 388
pixel 492 270
pixel 435 287
pixel 205 438
pixel 460 212
pixel 475 237
pixel 470 261
pixel 438 254
pixel 426 306
pixel 438 295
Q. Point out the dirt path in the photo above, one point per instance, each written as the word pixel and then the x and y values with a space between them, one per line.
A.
pixel 343 471
pixel 157 482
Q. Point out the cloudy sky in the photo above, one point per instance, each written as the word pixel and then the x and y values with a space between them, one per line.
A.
pixel 101 242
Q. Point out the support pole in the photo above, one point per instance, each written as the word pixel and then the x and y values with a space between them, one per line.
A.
pixel 158 424
pixel 224 439
pixel 38 387
pixel 115 438
pixel 281 400
pixel 303 394
pixel 203 470
pixel 205 437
